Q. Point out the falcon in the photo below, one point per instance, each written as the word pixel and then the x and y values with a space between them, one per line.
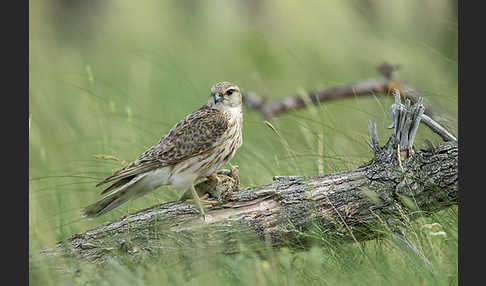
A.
pixel 196 147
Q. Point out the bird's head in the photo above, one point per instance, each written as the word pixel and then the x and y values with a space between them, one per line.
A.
pixel 225 96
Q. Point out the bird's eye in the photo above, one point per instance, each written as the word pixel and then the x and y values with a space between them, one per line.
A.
pixel 230 91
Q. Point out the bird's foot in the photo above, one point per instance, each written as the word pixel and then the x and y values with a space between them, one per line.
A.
pixel 203 200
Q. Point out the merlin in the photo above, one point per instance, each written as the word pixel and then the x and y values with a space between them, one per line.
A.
pixel 196 147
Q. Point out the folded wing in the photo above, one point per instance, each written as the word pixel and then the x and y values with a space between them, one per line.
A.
pixel 197 133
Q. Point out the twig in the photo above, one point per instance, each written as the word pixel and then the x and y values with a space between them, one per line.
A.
pixel 437 128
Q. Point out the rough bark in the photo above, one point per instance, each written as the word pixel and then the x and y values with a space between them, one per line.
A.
pixel 350 204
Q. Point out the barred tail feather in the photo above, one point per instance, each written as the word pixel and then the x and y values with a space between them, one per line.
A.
pixel 131 190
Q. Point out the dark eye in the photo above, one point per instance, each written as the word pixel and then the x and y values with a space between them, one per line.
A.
pixel 230 91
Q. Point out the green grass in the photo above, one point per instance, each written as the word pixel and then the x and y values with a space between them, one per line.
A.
pixel 112 82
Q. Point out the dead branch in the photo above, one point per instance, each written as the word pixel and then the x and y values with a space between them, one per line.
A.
pixel 351 204
pixel 434 116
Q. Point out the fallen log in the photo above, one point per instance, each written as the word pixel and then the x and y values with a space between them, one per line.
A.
pixel 399 180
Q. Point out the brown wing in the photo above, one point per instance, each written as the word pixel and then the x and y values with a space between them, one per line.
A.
pixel 197 133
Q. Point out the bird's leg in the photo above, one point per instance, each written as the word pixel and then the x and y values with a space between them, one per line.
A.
pixel 198 201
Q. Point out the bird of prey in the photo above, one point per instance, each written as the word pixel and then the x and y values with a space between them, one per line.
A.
pixel 196 147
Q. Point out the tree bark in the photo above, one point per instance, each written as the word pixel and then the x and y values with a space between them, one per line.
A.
pixel 350 204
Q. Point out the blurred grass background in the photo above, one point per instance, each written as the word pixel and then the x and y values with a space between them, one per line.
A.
pixel 112 77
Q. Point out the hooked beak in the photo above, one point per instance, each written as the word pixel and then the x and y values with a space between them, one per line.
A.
pixel 217 98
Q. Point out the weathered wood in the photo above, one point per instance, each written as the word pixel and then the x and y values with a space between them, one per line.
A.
pixel 349 204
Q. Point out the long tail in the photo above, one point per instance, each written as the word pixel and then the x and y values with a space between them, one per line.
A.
pixel 131 190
